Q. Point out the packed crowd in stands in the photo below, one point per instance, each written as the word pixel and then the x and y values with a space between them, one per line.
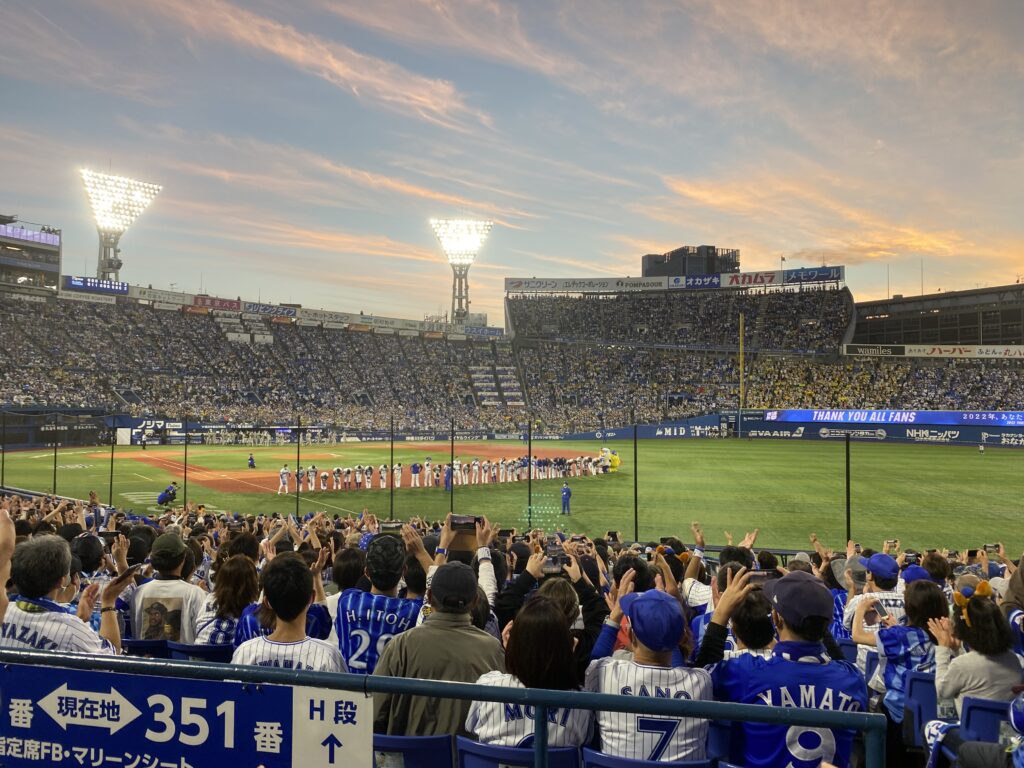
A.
pixel 834 629
pixel 136 359
pixel 797 321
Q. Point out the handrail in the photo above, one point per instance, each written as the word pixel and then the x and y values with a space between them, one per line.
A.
pixel 873 725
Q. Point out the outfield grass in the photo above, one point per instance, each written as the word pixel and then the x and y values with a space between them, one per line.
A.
pixel 926 495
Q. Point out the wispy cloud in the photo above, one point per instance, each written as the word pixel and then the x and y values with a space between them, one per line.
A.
pixel 360 75
pixel 35 47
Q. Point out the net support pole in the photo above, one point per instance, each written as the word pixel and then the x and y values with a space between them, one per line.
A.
pixel 529 471
pixel 636 486
pixel 451 470
pixel 849 535
pixel 739 409
pixel 298 463
pixel 55 430
pixel 391 469
pixel 3 451
pixel 184 501
pixel 113 443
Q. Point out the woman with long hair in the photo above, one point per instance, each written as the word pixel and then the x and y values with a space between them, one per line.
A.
pixel 538 654
pixel 236 586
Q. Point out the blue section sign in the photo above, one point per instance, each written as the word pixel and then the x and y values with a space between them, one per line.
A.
pixel 954 418
pixel 75 718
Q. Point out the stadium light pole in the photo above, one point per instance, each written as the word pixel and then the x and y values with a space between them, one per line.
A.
pixel 116 202
pixel 461 240
pixel 529 471
pixel 3 452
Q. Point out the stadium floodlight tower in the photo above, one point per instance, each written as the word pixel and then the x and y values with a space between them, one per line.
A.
pixel 116 203
pixel 461 240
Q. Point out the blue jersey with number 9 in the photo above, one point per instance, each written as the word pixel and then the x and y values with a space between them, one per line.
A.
pixel 797 675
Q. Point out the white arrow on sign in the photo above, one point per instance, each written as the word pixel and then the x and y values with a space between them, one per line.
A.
pixel 99 710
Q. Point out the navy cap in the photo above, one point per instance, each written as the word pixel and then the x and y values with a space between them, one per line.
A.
pixel 656 618
pixel 882 565
pixel 799 595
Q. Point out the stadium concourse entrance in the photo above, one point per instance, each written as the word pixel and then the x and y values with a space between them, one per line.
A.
pixel 917 483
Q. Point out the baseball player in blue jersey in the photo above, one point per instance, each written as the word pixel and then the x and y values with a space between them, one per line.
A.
pixel 169 494
pixel 656 627
pixel 368 621
pixel 799 673
pixel 566 495
pixel 288 593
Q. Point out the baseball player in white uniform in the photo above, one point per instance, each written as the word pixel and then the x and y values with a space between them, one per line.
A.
pixel 337 478
pixel 428 478
pixel 397 474
pixel 475 476
pixel 656 626
pixel 283 475
pixel 323 480
pixel 382 476
pixel 359 476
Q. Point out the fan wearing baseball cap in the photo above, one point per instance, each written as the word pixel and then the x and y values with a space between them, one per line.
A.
pixel 883 575
pixel 799 673
pixel 656 628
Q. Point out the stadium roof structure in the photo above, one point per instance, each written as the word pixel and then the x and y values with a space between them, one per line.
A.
pixel 117 202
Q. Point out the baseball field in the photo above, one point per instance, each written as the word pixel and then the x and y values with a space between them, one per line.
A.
pixel 925 495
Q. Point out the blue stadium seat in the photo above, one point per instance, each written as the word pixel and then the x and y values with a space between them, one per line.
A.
pixel 980 719
pixel 473 754
pixel 417 751
pixel 849 649
pixel 154 649
pixel 593 759
pixel 919 706
pixel 219 653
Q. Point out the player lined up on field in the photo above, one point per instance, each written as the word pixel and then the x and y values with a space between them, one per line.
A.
pixel 455 601
pixel 432 474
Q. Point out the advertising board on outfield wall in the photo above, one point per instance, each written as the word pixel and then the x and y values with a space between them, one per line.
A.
pixel 978 351
pixel 584 284
pixel 211 302
pixel 165 297
pixel 800 276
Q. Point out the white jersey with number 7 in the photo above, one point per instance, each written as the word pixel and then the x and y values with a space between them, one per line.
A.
pixel 650 737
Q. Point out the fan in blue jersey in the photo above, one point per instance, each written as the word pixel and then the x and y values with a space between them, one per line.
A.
pixel 258 620
pixel 902 649
pixel 799 673
pixel 367 621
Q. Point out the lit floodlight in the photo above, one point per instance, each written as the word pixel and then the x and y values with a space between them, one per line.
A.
pixel 116 203
pixel 461 240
